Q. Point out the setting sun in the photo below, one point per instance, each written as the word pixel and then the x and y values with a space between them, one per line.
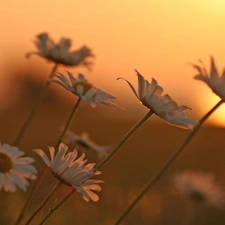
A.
pixel 159 38
pixel 129 91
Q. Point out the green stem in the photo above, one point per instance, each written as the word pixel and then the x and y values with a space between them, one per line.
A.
pixel 53 191
pixel 32 113
pixel 43 172
pixel 101 164
pixel 168 163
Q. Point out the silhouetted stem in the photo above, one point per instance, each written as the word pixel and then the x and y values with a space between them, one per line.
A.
pixel 32 113
pixel 168 163
pixel 130 132
pixel 56 207
pixel 44 170
pixel 53 191
pixel 101 164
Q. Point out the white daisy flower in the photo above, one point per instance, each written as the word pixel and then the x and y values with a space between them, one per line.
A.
pixel 70 170
pixel 199 187
pixel 14 169
pixel 150 95
pixel 59 53
pixel 83 142
pixel 212 79
pixel 85 90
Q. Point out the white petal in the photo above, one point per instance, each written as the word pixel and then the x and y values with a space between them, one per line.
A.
pixel 43 156
pixel 19 180
pixel 52 153
pixel 8 183
pixel 141 85
pixel 131 86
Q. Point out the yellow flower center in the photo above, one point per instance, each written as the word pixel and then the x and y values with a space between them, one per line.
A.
pixel 86 86
pixel 5 163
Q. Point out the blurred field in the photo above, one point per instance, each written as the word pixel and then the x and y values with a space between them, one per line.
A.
pixel 129 170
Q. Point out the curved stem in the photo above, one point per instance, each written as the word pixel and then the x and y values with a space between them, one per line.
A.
pixel 101 164
pixel 32 113
pixel 44 170
pixel 168 163
pixel 53 191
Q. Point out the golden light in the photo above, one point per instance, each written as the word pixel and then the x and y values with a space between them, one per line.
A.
pixel 218 118
pixel 159 38
pixel 208 100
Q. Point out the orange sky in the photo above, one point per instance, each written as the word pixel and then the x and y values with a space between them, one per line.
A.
pixel 157 37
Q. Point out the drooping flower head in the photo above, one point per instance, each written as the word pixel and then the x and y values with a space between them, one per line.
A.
pixel 150 95
pixel 60 52
pixel 199 187
pixel 72 171
pixel 215 81
pixel 85 90
pixel 83 142
pixel 14 169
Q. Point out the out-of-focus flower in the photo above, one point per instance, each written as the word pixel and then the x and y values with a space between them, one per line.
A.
pixel 213 80
pixel 83 142
pixel 85 90
pixel 199 187
pixel 70 170
pixel 59 53
pixel 150 95
pixel 14 169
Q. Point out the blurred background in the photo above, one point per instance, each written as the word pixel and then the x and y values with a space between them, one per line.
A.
pixel 160 39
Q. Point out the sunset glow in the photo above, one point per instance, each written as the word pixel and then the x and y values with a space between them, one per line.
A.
pixel 159 38
pixel 145 79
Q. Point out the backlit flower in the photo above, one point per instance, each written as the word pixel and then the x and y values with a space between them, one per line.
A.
pixel 199 187
pixel 14 169
pixel 215 81
pixel 59 53
pixel 150 95
pixel 85 90
pixel 83 142
pixel 70 170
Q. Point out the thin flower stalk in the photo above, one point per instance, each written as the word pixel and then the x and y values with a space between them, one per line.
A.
pixel 52 210
pixel 70 121
pixel 44 170
pixel 32 113
pixel 103 162
pixel 130 132
pixel 168 163
pixel 93 95
pixel 162 104
pixel 53 191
